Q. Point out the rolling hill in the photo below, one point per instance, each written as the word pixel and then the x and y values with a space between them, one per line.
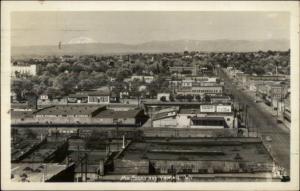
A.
pixel 155 47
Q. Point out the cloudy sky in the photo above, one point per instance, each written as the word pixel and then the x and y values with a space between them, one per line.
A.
pixel 48 28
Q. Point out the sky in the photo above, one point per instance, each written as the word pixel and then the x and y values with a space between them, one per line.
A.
pixel 49 28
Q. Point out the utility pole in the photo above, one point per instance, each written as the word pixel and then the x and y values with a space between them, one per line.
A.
pixel 86 163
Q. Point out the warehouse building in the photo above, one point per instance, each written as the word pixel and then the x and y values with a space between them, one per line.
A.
pixel 80 114
pixel 195 156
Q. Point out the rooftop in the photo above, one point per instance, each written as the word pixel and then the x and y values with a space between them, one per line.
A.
pixel 21 114
pixel 212 149
pixel 34 171
pixel 68 110
pixel 109 113
pixel 197 111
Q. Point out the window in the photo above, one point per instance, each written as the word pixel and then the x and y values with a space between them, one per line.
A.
pixel 228 119
pixel 187 170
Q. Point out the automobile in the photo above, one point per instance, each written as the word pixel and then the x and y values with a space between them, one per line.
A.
pixel 268 138
pixel 285 179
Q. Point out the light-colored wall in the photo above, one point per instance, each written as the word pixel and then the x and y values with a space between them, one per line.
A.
pixel 166 122
pixel 31 70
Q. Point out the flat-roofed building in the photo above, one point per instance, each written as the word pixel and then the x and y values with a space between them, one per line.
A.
pixel 26 69
pixel 195 156
pixel 185 116
pixel 80 115
pixel 129 117
pixel 200 90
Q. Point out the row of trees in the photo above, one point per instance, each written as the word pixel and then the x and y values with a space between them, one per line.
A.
pixel 71 74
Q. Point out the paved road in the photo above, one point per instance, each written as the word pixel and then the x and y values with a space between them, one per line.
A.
pixel 265 124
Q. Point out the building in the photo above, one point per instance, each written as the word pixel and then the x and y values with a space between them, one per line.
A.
pixel 220 99
pixel 94 115
pixel 94 97
pixel 201 90
pixel 146 79
pixel 287 108
pixel 194 70
pixel 77 98
pixel 209 116
pixel 134 117
pixel 165 119
pixel 221 156
pixel 98 97
pixel 23 70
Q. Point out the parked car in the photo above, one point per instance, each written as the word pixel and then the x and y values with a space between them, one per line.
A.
pixel 268 138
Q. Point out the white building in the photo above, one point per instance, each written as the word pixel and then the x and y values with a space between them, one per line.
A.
pixel 28 70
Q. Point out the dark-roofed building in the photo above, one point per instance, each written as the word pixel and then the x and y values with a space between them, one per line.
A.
pixel 81 114
pixel 195 156
pixel 208 122
pixel 69 111
pixel 67 114
pixel 132 117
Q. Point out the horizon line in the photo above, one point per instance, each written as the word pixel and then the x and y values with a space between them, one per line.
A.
pixel 151 41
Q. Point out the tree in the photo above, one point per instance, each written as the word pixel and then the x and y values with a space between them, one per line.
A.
pixel 189 97
pixel 198 97
pixel 172 97
pixel 65 83
pixel 179 97
pixel 122 73
pixel 63 67
pixel 52 68
pixel 163 98
pixel 21 87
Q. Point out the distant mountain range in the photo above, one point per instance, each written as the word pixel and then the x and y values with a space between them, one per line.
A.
pixel 155 47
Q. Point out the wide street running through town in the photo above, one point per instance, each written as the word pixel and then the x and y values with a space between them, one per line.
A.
pixel 275 135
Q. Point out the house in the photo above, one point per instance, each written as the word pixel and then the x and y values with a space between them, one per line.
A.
pixel 146 79
pixel 77 98
pixel 98 97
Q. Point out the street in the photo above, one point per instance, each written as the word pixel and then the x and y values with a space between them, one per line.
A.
pixel 265 124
